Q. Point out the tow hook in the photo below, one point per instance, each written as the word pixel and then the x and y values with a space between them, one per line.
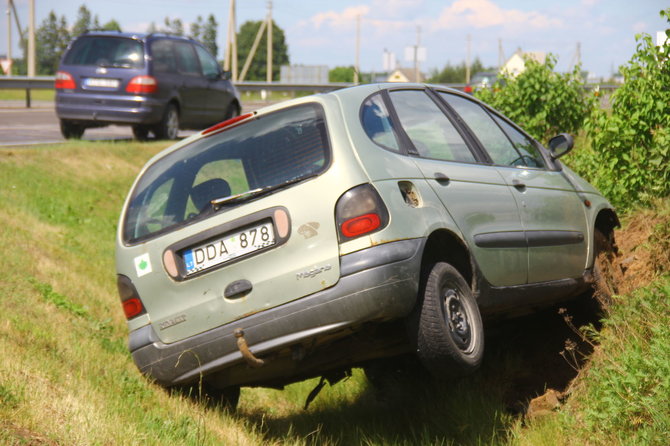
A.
pixel 244 349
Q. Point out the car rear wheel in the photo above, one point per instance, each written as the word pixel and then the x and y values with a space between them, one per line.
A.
pixel 141 132
pixel 232 111
pixel 70 130
pixel 168 128
pixel 449 330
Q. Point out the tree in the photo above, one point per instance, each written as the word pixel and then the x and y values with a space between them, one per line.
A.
pixel 196 29
pixel 540 100
pixel 112 25
pixel 258 68
pixel 51 39
pixel 630 143
pixel 85 21
pixel 174 26
pixel 341 74
pixel 455 74
pixel 208 37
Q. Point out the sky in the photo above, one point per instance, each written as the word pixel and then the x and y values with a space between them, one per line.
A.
pixel 320 32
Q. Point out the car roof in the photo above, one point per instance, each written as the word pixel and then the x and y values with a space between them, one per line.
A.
pixel 137 36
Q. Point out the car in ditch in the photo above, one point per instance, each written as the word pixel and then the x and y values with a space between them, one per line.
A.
pixel 155 82
pixel 335 230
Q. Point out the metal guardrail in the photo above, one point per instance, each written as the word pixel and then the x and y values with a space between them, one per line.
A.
pixel 47 83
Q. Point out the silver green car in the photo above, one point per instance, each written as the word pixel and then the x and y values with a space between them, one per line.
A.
pixel 334 230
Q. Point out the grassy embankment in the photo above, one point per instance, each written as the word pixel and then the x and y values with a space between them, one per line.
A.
pixel 66 377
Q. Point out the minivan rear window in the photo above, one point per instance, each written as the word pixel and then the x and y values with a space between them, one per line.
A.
pixel 264 154
pixel 109 52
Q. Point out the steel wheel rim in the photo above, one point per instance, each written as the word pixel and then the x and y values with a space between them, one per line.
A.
pixel 458 321
pixel 172 124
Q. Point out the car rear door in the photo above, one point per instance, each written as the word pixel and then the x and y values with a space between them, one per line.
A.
pixel 474 194
pixel 552 214
pixel 193 86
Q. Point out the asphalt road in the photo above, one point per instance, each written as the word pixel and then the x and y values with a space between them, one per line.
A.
pixel 39 125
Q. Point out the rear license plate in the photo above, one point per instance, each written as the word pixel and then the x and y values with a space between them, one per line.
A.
pixel 101 82
pixel 228 247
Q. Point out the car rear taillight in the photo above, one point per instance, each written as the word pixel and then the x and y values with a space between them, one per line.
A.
pixel 130 300
pixel 142 85
pixel 64 81
pixel 360 211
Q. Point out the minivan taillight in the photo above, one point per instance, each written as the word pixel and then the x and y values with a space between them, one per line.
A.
pixel 360 211
pixel 130 299
pixel 142 85
pixel 64 81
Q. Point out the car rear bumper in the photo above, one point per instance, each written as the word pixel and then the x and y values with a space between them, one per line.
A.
pixel 98 108
pixel 377 284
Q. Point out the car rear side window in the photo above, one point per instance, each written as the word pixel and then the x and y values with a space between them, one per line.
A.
pixel 431 132
pixel 103 51
pixel 164 60
pixel 270 151
pixel 377 123
pixel 187 62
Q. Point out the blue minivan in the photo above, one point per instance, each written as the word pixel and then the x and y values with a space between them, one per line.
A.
pixel 155 83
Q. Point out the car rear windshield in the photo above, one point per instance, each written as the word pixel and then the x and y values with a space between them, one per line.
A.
pixel 241 163
pixel 103 51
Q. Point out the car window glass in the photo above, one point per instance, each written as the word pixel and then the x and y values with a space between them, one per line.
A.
pixel 377 123
pixel 268 151
pixel 163 56
pixel 431 132
pixel 525 146
pixel 187 62
pixel 209 66
pixel 493 139
pixel 102 51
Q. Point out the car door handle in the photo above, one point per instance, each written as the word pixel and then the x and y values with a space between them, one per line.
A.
pixel 442 178
pixel 519 185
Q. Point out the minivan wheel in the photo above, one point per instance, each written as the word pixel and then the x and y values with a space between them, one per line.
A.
pixel 449 330
pixel 168 128
pixel 232 111
pixel 70 130
pixel 141 132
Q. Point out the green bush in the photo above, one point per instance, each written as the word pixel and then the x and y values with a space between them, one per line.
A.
pixel 540 100
pixel 630 144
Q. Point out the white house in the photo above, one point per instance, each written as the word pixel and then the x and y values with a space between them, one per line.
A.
pixel 516 64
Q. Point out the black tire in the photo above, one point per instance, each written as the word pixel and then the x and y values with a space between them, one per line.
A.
pixel 70 130
pixel 232 111
pixel 168 128
pixel 449 329
pixel 141 132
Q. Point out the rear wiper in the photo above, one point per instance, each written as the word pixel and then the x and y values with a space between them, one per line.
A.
pixel 218 202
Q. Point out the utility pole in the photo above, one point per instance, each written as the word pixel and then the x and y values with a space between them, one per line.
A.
pixel 501 55
pixel 230 59
pixel 31 40
pixel 9 37
pixel 467 61
pixel 269 53
pixel 358 48
pixel 416 54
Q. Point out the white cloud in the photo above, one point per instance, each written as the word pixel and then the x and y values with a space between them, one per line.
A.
pixel 338 20
pixel 639 27
pixel 346 20
pixel 486 14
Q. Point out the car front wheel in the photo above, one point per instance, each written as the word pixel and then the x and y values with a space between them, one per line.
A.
pixel 168 128
pixel 449 330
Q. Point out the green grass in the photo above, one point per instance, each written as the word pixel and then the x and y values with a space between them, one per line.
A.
pixel 20 95
pixel 67 378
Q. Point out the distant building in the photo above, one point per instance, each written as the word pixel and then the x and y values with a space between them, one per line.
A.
pixel 303 74
pixel 516 64
pixel 405 75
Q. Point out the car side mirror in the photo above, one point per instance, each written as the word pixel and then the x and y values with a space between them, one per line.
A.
pixel 561 144
pixel 226 75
